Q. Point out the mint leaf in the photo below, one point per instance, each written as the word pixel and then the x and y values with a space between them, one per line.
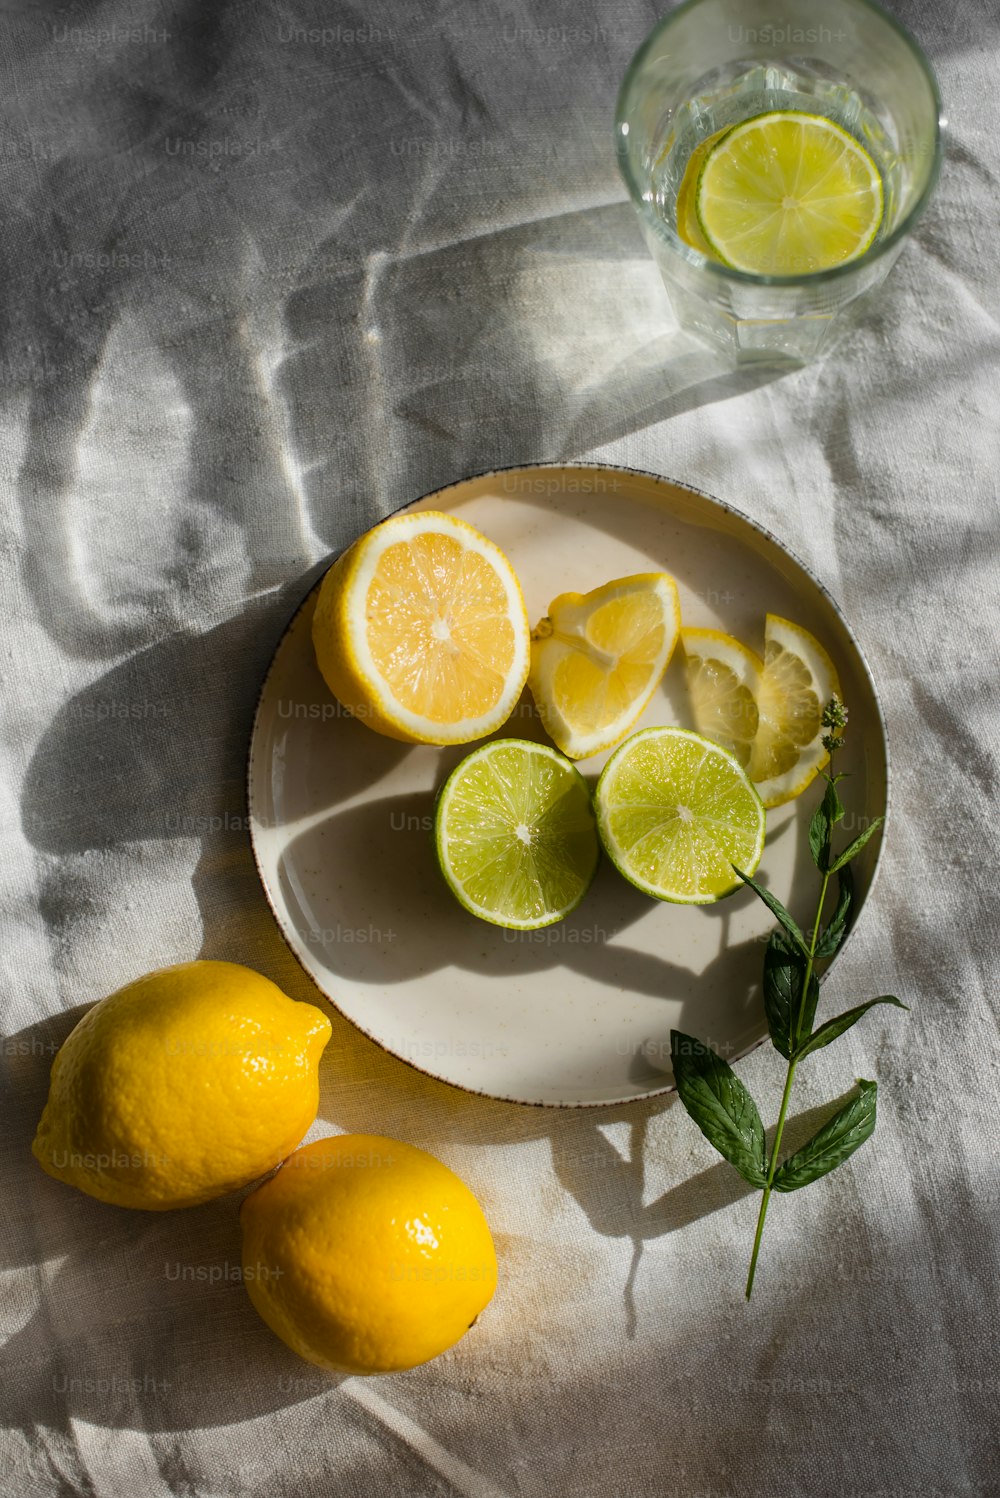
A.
pixel 819 836
pixel 839 923
pixel 784 972
pixel 776 908
pixel 841 1022
pixel 836 809
pixel 821 825
pixel 835 1142
pixel 720 1105
pixel 853 849
pixel 808 1014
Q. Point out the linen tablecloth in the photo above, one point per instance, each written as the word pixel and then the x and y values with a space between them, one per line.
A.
pixel 269 271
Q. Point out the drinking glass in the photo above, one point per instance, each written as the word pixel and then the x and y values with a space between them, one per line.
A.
pixel 712 63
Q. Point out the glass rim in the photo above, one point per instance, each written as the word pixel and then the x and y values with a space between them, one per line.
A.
pixel 749 278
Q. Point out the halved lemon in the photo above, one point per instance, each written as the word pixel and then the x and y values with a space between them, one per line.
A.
pixel 797 682
pixel 788 193
pixel 675 812
pixel 597 658
pixel 723 680
pixel 420 630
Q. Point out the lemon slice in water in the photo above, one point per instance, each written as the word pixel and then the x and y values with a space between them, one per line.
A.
pixel 688 226
pixel 788 194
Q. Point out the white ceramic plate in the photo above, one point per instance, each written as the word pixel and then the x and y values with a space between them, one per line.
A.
pixel 579 1013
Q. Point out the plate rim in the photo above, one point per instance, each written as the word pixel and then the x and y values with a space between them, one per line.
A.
pixel 554 463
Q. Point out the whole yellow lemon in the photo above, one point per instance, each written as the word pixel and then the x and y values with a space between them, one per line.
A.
pixel 181 1086
pixel 367 1255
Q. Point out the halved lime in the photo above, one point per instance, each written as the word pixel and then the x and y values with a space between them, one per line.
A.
pixel 515 834
pixel 675 812
pixel 787 194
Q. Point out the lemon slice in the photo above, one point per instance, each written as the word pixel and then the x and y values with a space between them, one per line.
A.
pixel 688 226
pixel 723 680
pixel 675 812
pixel 788 194
pixel 797 682
pixel 420 629
pixel 515 834
pixel 597 658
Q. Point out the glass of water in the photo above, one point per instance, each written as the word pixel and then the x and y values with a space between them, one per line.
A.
pixel 842 78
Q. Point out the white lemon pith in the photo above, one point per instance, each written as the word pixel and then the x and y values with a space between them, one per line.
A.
pixel 420 630
pixel 788 193
pixel 597 658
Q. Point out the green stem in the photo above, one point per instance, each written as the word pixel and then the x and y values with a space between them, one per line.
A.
pixel 772 1167
pixel 797 1039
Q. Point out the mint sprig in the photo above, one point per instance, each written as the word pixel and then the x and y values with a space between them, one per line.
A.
pixel 708 1087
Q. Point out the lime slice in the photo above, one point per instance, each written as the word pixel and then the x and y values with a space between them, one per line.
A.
pixel 675 812
pixel 515 834
pixel 788 194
